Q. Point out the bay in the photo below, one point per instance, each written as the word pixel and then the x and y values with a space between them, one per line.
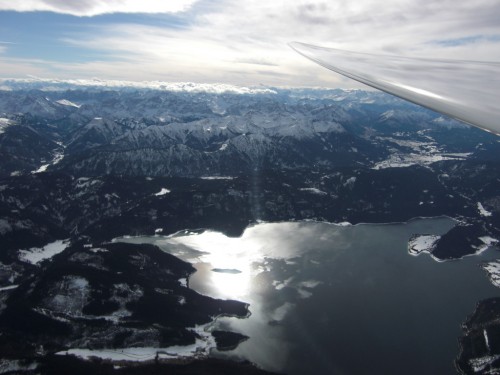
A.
pixel 330 299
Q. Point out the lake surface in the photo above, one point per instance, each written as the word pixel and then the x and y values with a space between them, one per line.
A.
pixel 328 299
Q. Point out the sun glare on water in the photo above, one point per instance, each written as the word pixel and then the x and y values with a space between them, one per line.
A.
pixel 226 264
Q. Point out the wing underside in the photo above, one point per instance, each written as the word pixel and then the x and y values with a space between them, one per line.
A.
pixel 466 90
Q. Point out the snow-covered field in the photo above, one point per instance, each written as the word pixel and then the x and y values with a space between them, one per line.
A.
pixel 493 271
pixel 201 348
pixel 58 156
pixel 422 244
pixel 400 160
pixel 416 153
pixel 36 255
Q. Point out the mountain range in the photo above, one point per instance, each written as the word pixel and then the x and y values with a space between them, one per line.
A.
pixel 91 161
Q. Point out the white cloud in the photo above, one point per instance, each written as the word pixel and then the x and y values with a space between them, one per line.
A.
pixel 152 53
pixel 23 67
pixel 245 42
pixel 96 7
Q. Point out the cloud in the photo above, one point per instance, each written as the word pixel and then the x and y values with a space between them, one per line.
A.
pixel 13 67
pixel 153 53
pixel 245 42
pixel 89 8
pixel 468 40
pixel 255 62
pixel 4 45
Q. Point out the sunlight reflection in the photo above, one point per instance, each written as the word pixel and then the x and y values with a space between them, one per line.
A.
pixel 226 264
pixel 229 266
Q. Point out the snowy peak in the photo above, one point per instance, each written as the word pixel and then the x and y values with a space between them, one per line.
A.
pixel 67 103
pixel 191 132
pixel 5 123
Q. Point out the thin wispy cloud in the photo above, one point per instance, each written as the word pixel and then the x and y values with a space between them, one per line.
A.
pixel 89 8
pixel 468 40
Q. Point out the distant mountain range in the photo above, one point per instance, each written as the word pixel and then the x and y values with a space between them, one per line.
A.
pixel 137 132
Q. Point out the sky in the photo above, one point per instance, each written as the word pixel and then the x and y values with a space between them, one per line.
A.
pixel 232 41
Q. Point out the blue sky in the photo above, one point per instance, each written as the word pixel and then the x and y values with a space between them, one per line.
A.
pixel 231 41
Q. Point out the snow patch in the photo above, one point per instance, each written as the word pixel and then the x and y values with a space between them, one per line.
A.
pixel 183 282
pixel 489 241
pixel 16 366
pixel 482 210
pixel 58 156
pixel 407 160
pixel 493 271
pixel 486 340
pixel 200 349
pixel 36 255
pixel 344 224
pixel 68 103
pixel 10 287
pixel 314 191
pixel 479 364
pixel 5 123
pixel 163 191
pixel 98 250
pixel 422 244
pixel 42 168
pixel 350 182
pixel 217 178
pixel 416 153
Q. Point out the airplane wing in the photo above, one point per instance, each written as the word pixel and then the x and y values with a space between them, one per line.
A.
pixel 466 90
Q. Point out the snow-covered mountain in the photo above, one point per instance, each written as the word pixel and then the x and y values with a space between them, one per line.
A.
pixel 190 130
pixel 85 162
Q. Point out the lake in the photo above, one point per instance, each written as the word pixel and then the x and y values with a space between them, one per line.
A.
pixel 330 299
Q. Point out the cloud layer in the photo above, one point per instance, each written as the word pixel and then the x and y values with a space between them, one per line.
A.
pixel 245 42
pixel 91 8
